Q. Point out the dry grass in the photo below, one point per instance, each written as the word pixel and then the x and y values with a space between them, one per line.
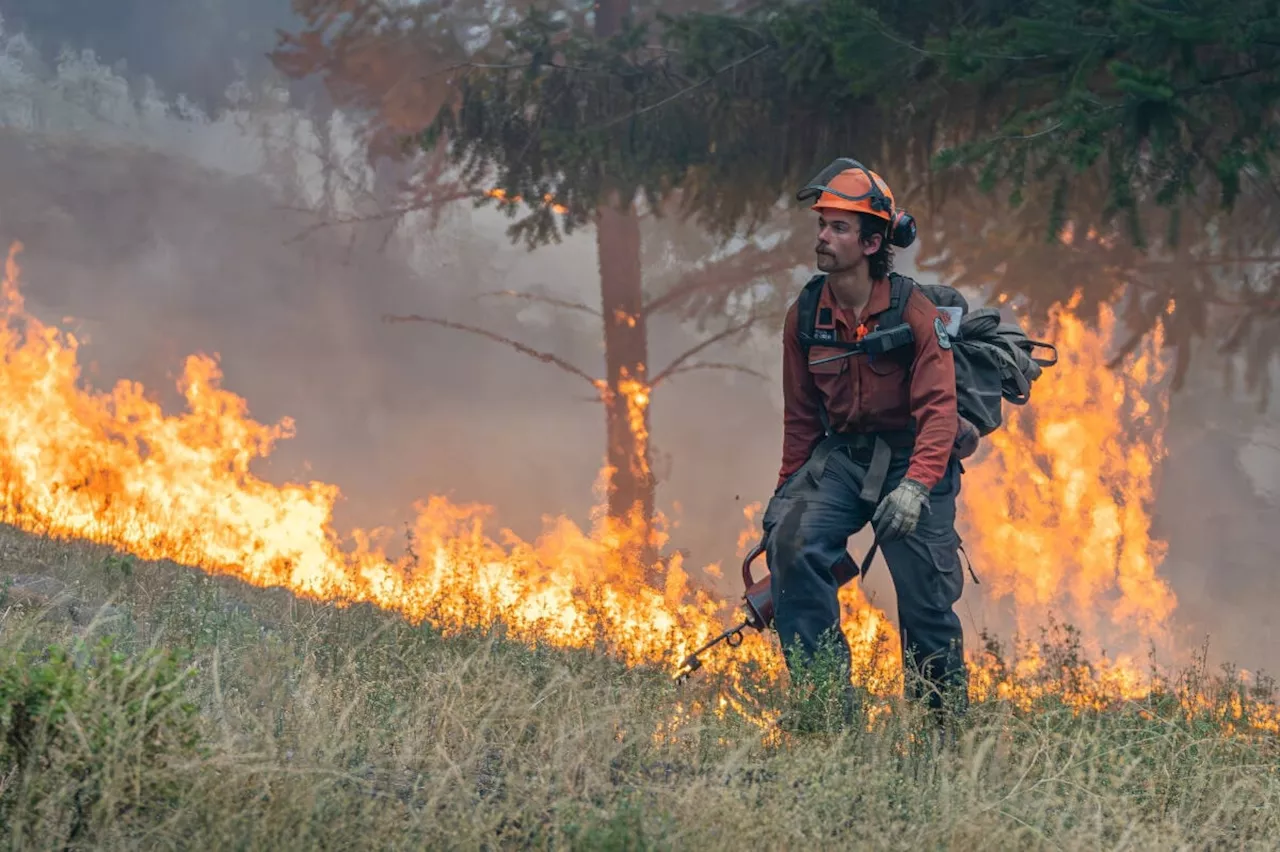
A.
pixel 200 713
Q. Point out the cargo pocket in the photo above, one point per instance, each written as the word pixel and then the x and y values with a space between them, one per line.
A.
pixel 779 506
pixel 885 383
pixel 944 554
pixel 832 378
pixel 774 510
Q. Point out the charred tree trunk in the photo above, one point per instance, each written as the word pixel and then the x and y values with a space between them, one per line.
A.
pixel 632 486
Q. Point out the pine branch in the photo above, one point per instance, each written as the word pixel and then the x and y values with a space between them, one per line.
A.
pixel 713 365
pixel 678 364
pixel 546 300
pixel 636 113
pixel 1242 73
pixel 741 267
pixel 1259 303
pixel 545 357
pixel 428 201
pixel 1213 261
pixel 1099 114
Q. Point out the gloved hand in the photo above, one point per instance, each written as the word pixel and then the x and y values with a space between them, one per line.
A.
pixel 899 513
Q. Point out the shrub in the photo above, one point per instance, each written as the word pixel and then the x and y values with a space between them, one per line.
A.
pixel 90 738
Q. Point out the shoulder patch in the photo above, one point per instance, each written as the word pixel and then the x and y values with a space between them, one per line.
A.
pixel 944 339
pixel 951 317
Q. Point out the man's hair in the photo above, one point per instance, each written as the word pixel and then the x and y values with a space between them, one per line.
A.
pixel 880 264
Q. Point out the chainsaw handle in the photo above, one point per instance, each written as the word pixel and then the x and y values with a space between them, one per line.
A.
pixel 747 582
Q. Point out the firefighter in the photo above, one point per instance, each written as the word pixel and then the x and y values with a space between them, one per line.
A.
pixel 868 439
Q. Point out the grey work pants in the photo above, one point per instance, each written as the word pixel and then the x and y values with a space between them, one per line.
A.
pixel 807 526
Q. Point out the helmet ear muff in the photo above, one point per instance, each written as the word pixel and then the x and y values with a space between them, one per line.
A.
pixel 902 229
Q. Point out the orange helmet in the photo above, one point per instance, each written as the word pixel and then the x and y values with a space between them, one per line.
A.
pixel 848 185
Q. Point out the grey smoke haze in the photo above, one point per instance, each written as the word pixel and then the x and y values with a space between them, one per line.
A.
pixel 164 236
pixel 195 48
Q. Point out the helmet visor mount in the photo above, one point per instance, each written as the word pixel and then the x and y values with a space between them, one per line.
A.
pixel 821 184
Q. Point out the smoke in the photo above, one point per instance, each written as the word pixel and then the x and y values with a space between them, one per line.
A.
pixel 1216 508
pixel 189 48
pixel 160 230
pixel 162 225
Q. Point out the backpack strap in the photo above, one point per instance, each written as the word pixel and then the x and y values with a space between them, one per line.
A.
pixel 806 322
pixel 900 287
pixel 891 332
pixel 807 310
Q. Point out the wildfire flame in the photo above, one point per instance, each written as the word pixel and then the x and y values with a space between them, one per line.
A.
pixel 636 393
pixel 548 200
pixel 1061 520
pixel 114 467
pixel 1058 519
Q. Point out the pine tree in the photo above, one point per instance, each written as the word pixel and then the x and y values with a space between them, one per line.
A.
pixel 1047 147
pixel 411 74
pixel 1099 147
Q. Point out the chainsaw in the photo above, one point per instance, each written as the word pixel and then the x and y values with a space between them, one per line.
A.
pixel 757 603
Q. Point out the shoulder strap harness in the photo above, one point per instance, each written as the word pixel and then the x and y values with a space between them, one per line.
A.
pixel 891 332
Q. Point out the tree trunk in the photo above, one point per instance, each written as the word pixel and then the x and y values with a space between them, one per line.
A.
pixel 610 16
pixel 626 351
pixel 631 488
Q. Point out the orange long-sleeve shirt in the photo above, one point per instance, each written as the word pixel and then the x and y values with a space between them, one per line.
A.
pixel 861 394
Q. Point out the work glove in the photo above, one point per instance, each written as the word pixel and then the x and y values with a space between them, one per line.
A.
pixel 899 513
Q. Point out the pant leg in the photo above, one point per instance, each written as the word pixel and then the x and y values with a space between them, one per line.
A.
pixel 807 527
pixel 928 580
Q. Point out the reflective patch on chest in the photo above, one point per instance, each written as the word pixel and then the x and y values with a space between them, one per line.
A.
pixel 944 339
pixel 827 335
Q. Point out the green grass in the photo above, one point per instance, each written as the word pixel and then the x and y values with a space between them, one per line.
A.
pixel 201 713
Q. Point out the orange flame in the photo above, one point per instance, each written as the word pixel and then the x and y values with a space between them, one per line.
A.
pixel 548 200
pixel 1057 515
pixel 113 467
pixel 1057 511
pixel 636 393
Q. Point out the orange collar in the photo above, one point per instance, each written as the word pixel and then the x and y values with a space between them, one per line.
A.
pixel 877 302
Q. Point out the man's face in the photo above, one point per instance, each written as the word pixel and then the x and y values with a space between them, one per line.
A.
pixel 839 247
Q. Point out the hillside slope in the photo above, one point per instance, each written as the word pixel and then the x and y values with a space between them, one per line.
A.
pixel 224 716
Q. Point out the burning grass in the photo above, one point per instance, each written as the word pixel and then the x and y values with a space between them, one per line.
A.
pixel 1061 525
pixel 220 715
pixel 308 691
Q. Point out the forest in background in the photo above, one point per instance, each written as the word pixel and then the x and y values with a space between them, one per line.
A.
pixel 176 194
pixel 403 384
